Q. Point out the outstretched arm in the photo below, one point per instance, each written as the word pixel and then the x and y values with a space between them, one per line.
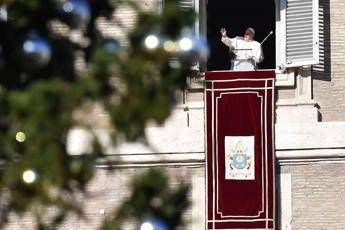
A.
pixel 223 32
pixel 225 39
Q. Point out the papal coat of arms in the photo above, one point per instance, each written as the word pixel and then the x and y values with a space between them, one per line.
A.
pixel 239 158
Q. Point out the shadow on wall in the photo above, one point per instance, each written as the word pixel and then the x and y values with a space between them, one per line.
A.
pixel 323 70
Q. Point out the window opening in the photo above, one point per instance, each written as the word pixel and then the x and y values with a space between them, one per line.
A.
pixel 236 16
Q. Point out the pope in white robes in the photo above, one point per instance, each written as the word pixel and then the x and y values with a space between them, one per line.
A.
pixel 248 52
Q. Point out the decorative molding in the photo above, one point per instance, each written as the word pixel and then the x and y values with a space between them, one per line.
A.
pixel 153 158
pixel 196 83
pixel 285 79
pixel 105 164
pixel 311 153
pixel 178 144
pixel 309 161
pixel 191 105
pixel 295 102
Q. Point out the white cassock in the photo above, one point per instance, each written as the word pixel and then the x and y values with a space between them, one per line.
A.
pixel 248 53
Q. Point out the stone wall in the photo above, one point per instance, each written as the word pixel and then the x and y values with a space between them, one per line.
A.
pixel 318 195
pixel 329 77
pixel 109 188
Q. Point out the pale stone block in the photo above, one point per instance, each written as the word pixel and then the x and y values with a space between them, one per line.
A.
pixel 296 113
pixel 285 195
pixel 297 136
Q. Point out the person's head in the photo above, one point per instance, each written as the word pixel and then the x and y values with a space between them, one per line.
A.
pixel 240 148
pixel 249 34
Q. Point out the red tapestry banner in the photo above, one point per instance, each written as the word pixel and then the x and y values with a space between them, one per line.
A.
pixel 239 109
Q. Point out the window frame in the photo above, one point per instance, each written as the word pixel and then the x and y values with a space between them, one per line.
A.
pixel 285 71
pixel 281 62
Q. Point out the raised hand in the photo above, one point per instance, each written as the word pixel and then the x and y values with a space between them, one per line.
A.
pixel 223 31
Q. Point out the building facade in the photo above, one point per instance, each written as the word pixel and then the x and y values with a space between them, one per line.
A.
pixel 309 128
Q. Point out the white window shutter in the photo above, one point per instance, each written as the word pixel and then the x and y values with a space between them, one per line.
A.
pixel 301 27
pixel 186 4
pixel 191 4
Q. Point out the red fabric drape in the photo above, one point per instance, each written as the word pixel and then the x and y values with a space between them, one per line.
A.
pixel 240 105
